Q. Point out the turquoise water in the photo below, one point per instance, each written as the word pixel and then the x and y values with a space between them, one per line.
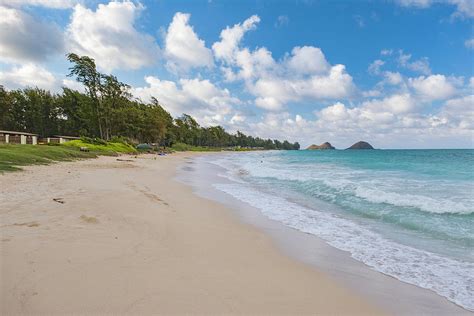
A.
pixel 406 213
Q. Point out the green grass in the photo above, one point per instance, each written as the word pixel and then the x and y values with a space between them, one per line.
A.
pixel 186 147
pixel 12 157
pixel 109 148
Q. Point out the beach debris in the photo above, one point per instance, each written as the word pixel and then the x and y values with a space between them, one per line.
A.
pixel 118 159
pixel 89 219
pixel 85 149
pixel 59 200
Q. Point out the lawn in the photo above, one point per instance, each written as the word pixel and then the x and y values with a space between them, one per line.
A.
pixel 12 157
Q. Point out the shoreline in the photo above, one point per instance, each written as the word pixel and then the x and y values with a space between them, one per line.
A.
pixel 124 237
pixel 379 288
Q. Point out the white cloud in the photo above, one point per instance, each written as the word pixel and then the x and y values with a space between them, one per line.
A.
pixel 375 122
pixel 28 75
pixel 237 119
pixel 374 67
pixel 55 4
pixel 394 104
pixel 273 92
pixel 307 60
pixel 73 84
pixel 110 37
pixel 24 38
pixel 393 78
pixel 434 87
pixel 200 98
pixel 469 43
pixel 184 49
pixel 231 37
pixel 459 112
pixel 421 65
pixel 281 21
pixel 464 8
pixel 303 74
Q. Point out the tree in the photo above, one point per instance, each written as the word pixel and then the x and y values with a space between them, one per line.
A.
pixel 86 73
pixel 106 110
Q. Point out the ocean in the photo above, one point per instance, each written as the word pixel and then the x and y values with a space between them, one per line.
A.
pixel 406 213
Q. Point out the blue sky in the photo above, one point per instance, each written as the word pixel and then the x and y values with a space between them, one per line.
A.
pixel 397 73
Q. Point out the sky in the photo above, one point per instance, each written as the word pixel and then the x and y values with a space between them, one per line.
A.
pixel 395 73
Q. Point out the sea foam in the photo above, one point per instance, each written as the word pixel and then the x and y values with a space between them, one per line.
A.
pixel 416 226
pixel 450 278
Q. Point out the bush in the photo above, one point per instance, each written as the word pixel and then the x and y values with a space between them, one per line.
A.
pixel 107 149
pixel 122 140
pixel 94 141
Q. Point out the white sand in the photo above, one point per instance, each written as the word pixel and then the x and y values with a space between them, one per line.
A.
pixel 128 239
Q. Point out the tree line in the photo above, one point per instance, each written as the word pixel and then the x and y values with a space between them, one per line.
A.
pixel 107 110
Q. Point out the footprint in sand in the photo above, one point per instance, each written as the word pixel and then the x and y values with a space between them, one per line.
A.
pixel 146 192
pixel 28 224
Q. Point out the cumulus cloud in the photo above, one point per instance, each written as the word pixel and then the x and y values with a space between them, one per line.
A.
pixel 110 37
pixel 393 78
pixel 184 49
pixel 389 122
pixel 231 37
pixel 434 87
pixel 459 112
pixel 28 75
pixel 307 60
pixel 302 74
pixel 23 38
pixel 273 92
pixel 73 84
pixel 200 98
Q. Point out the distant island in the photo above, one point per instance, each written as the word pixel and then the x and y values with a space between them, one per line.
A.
pixel 323 146
pixel 361 145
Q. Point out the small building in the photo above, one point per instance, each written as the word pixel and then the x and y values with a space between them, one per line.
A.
pixel 12 137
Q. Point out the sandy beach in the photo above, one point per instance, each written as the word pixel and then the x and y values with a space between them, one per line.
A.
pixel 122 237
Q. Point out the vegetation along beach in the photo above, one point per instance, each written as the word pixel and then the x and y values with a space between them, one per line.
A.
pixel 236 157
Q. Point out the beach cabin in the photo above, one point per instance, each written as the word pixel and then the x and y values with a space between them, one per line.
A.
pixel 12 137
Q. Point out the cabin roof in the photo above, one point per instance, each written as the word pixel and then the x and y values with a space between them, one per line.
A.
pixel 17 133
pixel 66 137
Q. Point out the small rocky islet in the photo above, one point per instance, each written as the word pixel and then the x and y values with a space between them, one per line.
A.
pixel 361 145
pixel 328 146
pixel 323 146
